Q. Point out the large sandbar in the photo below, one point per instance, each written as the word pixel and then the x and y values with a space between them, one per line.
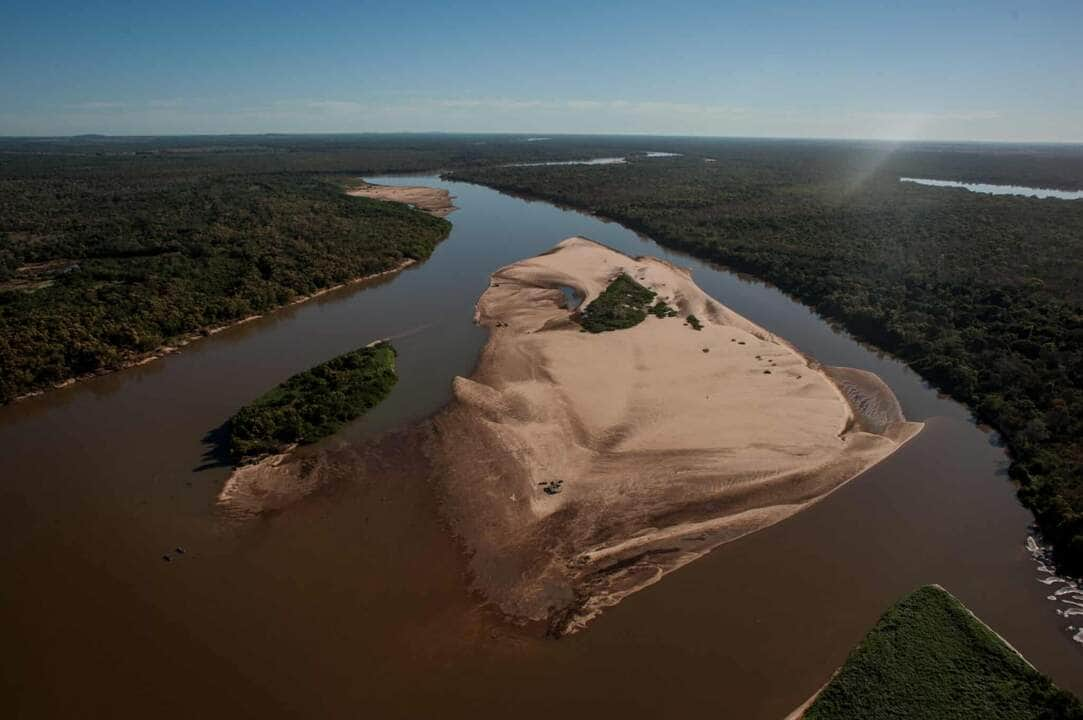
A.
pixel 662 441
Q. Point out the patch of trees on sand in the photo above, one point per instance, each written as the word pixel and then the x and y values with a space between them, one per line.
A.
pixel 313 404
pixel 100 266
pixel 980 294
pixel 929 657
pixel 623 304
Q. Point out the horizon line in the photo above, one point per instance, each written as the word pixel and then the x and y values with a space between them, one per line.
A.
pixel 538 134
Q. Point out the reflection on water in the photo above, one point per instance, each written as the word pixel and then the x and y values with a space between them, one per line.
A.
pixel 1000 189
pixel 356 597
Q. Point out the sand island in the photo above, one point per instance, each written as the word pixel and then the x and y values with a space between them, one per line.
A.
pixel 578 467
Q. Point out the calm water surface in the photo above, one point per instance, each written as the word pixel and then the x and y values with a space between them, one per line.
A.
pixel 1000 189
pixel 596 161
pixel 354 602
pixel 592 161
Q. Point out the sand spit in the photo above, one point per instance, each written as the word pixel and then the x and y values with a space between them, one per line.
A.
pixel 578 468
pixel 278 481
pixel 432 200
pixel 273 483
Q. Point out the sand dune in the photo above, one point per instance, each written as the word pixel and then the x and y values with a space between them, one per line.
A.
pixel 661 441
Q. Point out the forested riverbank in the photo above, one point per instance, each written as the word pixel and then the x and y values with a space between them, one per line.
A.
pixel 102 265
pixel 979 294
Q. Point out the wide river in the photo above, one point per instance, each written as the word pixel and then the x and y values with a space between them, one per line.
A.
pixel 354 602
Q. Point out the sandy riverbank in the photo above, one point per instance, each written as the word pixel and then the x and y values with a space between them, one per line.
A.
pixel 432 200
pixel 661 441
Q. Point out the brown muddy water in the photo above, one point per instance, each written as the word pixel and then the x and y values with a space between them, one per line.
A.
pixel 354 602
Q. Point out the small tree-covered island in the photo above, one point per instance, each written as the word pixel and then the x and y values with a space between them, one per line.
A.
pixel 313 404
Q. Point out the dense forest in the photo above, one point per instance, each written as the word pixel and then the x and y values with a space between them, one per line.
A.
pixel 313 404
pixel 101 263
pixel 981 294
pixel 929 657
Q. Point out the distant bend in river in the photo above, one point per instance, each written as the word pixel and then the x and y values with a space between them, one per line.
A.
pixel 578 468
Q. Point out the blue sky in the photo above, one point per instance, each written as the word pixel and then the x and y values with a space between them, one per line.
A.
pixel 896 70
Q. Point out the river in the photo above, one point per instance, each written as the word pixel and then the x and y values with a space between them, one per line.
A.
pixel 355 601
pixel 990 189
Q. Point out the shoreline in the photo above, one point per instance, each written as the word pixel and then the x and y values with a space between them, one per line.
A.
pixel 573 485
pixel 196 335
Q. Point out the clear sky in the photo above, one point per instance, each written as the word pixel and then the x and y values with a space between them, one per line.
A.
pixel 909 69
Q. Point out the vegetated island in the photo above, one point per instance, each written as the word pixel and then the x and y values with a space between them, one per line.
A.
pixel 307 407
pixel 591 452
pixel 930 657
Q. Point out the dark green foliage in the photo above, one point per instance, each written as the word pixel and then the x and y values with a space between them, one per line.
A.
pixel 313 404
pixel 980 294
pixel 694 322
pixel 661 310
pixel 116 266
pixel 928 657
pixel 623 304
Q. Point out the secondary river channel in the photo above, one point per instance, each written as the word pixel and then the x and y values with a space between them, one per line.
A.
pixel 355 602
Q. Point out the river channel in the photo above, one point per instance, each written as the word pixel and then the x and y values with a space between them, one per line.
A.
pixel 355 602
